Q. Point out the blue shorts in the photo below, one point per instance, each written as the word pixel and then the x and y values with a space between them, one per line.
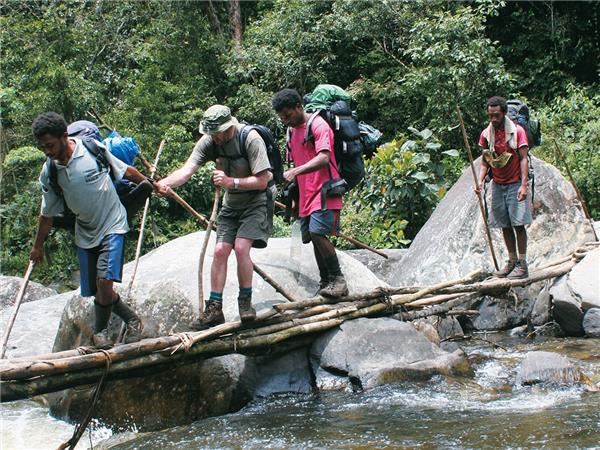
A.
pixel 104 261
pixel 320 222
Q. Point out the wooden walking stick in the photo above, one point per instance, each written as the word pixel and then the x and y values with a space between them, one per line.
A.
pixel 209 227
pixel 586 212
pixel 475 180
pixel 138 248
pixel 348 238
pixel 290 297
pixel 18 302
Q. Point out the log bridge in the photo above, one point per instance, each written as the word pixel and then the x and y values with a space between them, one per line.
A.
pixel 285 326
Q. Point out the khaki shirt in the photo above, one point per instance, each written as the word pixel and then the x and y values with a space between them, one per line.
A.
pixel 236 166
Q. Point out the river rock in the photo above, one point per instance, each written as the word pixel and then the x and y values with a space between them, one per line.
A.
pixel 452 242
pixel 165 294
pixel 566 308
pixel 502 313
pixel 584 280
pixel 540 314
pixel 9 288
pixel 36 326
pixel 591 323
pixel 163 399
pixel 547 367
pixel 289 372
pixel 372 352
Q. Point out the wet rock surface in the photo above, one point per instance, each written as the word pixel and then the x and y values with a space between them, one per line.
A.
pixel 372 352
pixel 547 367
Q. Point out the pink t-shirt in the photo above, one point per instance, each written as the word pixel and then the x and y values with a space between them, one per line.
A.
pixel 310 183
pixel 511 173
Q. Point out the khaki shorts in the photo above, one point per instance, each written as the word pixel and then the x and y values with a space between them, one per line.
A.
pixel 507 211
pixel 249 223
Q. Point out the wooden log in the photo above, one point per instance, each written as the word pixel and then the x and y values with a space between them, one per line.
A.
pixel 435 310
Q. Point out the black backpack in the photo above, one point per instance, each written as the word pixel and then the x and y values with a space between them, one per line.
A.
pixel 273 152
pixel 518 112
pixel 348 144
pixel 132 196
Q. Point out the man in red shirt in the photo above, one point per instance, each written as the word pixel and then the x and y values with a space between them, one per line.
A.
pixel 505 148
pixel 314 165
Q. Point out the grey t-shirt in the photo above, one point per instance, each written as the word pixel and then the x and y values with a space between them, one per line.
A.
pixel 235 166
pixel 90 194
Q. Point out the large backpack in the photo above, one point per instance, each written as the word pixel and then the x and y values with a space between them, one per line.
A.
pixel 273 152
pixel 131 195
pixel 518 112
pixel 352 140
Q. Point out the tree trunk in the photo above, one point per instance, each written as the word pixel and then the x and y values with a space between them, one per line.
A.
pixel 235 20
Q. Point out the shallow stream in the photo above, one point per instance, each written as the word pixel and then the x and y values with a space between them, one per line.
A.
pixel 484 411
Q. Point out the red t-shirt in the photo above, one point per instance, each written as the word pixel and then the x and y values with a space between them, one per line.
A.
pixel 511 173
pixel 310 184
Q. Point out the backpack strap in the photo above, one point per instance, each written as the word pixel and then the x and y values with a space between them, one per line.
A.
pixel 309 136
pixel 99 152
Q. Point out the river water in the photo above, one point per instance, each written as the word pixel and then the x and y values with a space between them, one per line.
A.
pixel 486 410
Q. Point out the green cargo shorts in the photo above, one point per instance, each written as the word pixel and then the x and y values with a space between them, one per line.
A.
pixel 249 223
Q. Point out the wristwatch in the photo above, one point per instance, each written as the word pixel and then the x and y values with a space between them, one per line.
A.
pixel 236 183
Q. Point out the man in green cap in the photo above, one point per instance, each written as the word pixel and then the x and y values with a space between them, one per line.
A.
pixel 243 221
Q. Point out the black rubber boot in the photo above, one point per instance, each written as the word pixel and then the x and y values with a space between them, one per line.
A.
pixel 133 324
pixel 100 339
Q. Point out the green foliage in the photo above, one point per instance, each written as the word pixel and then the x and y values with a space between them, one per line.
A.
pixel 150 68
pixel 573 122
pixel 404 181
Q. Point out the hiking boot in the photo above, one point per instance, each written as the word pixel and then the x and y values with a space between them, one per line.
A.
pixel 337 287
pixel 322 285
pixel 213 316
pixel 247 312
pixel 102 340
pixel 133 331
pixel 508 268
pixel 520 271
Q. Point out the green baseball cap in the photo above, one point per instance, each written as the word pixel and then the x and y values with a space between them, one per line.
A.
pixel 217 118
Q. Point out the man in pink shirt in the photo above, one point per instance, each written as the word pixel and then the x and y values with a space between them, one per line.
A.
pixel 504 144
pixel 314 165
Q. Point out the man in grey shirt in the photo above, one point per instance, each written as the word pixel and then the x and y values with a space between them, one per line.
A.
pixel 244 221
pixel 101 220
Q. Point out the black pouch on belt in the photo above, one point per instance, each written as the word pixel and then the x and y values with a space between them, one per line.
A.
pixel 332 188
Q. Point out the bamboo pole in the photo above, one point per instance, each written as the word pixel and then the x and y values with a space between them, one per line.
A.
pixel 17 305
pixel 577 192
pixel 138 248
pixel 209 227
pixel 475 180
pixel 289 296
pixel 348 238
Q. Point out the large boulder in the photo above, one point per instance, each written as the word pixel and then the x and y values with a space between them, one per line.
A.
pixel 372 352
pixel 566 308
pixel 547 367
pixel 452 242
pixel 36 326
pixel 165 294
pixel 575 293
pixel 584 280
pixel 502 313
pixel 9 287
